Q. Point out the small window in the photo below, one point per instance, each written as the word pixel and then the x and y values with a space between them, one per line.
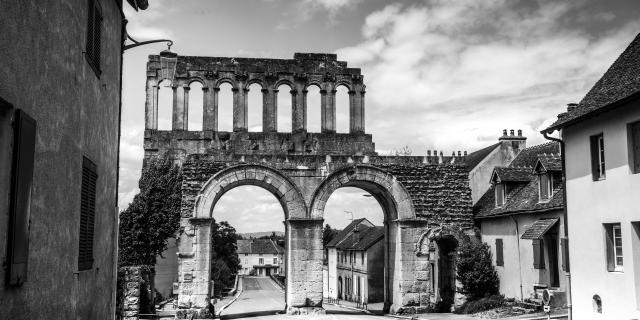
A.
pixel 538 254
pixel 544 187
pixel 597 157
pixel 499 253
pixel 500 195
pixel 87 214
pixel 362 256
pixel 261 261
pixel 94 35
pixel 615 259
pixel 246 254
pixel 275 260
pixel 634 146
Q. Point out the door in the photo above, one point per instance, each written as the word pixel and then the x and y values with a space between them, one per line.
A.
pixel 552 248
pixel 268 271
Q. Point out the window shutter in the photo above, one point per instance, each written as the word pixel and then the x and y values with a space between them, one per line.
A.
pixel 543 182
pixel 499 195
pixel 538 254
pixel 565 254
pixel 595 172
pixel 94 35
pixel 635 146
pixel 87 214
pixel 609 244
pixel 20 201
pixel 499 253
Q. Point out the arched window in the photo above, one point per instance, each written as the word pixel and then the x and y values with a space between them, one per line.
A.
pixel 255 108
pixel 314 109
pixel 597 304
pixel 284 108
pixel 225 108
pixel 342 109
pixel 196 106
pixel 165 105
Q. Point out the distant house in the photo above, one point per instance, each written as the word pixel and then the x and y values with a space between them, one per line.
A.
pixel 355 263
pixel 520 217
pixel 601 138
pixel 261 257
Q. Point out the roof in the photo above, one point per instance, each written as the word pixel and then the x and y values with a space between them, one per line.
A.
pixel 362 240
pixel 522 195
pixel 347 230
pixel 551 162
pixel 258 246
pixel 539 228
pixel 621 81
pixel 474 158
pixel 507 174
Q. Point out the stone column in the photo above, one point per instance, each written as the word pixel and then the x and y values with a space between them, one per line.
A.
pixel 327 105
pixel 194 273
pixel 178 108
pixel 239 109
pixel 352 107
pixel 357 101
pixel 207 108
pixel 185 116
pixel 297 112
pixel 304 109
pixel 151 105
pixel 304 267
pixel 269 112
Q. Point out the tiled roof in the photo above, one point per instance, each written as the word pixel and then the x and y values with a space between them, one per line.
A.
pixel 361 223
pixel 507 174
pixel 362 239
pixel 258 246
pixel 621 81
pixel 539 228
pixel 522 196
pixel 552 162
pixel 474 158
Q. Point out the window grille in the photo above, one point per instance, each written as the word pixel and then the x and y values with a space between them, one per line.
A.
pixel 87 214
pixel 94 36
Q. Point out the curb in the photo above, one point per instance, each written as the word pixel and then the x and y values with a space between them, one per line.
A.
pixel 351 308
pixel 238 293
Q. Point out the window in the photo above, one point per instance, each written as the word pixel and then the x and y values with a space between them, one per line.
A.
pixel 634 146
pixel 538 254
pixel 246 254
pixel 261 261
pixel 615 259
pixel 597 157
pixel 87 214
pixel 500 195
pixel 94 34
pixel 24 142
pixel 362 257
pixel 499 253
pixel 275 260
pixel 544 187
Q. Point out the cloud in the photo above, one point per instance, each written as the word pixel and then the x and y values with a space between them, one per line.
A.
pixel 143 25
pixel 452 74
pixel 306 9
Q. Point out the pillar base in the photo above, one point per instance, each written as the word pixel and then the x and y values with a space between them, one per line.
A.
pixel 305 310
pixel 194 313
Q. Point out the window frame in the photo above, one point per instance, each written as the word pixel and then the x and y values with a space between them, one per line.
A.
pixel 598 159
pixel 499 252
pixel 548 184
pixel 632 145
pixel 86 223
pixel 261 261
pixel 94 31
pixel 611 246
pixel 500 188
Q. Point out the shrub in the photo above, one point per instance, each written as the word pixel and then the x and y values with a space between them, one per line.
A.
pixel 475 270
pixel 483 304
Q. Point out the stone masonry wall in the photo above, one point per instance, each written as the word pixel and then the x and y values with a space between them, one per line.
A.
pixel 134 292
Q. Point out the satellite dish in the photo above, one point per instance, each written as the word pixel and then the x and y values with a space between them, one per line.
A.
pixel 546 297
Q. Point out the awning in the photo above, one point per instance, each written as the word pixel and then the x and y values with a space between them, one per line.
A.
pixel 539 228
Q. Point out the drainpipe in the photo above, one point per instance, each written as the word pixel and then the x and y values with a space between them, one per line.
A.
pixel 515 222
pixel 564 216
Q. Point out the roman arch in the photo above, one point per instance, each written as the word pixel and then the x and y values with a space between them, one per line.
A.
pixel 302 170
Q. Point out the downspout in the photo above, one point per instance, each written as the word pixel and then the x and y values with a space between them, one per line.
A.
pixel 545 134
pixel 515 222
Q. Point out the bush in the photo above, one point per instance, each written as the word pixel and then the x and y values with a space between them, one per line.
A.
pixel 483 304
pixel 475 270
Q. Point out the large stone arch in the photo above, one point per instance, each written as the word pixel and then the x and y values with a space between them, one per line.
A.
pixel 279 185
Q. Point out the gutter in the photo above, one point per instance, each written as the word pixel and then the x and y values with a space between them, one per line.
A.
pixel 510 213
pixel 545 134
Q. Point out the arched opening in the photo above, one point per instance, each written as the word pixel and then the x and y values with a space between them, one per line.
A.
pixel 314 109
pixel 285 115
pixel 255 108
pixel 196 107
pixel 253 217
pixel 165 105
pixel 358 255
pixel 342 109
pixel 596 303
pixel 225 107
pixel 445 278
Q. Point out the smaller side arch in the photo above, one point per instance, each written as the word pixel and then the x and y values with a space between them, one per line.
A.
pixel 313 83
pixel 254 81
pixel 196 79
pixel 284 81
pixel 344 83
pixel 226 80
pixel 426 241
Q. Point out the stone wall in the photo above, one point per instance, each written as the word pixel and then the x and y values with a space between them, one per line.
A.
pixel 135 287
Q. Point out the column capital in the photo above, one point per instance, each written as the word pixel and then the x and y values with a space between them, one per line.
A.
pixel 205 89
pixel 245 89
pixel 334 91
pixel 235 89
pixel 293 91
pixel 216 89
pixel 264 90
pixel 352 92
pixel 323 91
pixel 305 91
pixel 276 90
pixel 186 88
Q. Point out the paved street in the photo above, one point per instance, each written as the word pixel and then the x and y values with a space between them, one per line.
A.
pixel 260 296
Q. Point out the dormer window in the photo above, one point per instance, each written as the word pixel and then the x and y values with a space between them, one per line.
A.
pixel 545 182
pixel 500 195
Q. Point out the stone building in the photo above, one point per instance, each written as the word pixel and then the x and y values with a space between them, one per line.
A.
pixel 520 218
pixel 426 199
pixel 601 137
pixel 59 135
pixel 260 257
pixel 356 257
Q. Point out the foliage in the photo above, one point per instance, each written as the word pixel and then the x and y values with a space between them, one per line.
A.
pixel 273 237
pixel 153 216
pixel 225 262
pixel 404 151
pixel 475 270
pixel 328 234
pixel 483 304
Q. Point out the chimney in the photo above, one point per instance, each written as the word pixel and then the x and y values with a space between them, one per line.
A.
pixel 571 107
pixel 512 141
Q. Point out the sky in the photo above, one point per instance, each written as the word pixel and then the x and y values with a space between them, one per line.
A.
pixel 440 74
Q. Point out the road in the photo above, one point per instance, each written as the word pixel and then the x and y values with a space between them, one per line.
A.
pixel 260 296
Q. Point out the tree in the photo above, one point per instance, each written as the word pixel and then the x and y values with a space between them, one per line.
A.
pixel 404 151
pixel 475 270
pixel 224 262
pixel 153 217
pixel 328 234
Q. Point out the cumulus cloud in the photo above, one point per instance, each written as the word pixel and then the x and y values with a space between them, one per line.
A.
pixel 452 74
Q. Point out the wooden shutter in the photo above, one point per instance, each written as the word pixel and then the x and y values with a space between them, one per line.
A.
pixel 538 254
pixel 87 214
pixel 94 35
pixel 543 182
pixel 595 163
pixel 499 253
pixel 564 242
pixel 20 201
pixel 609 245
pixel 634 145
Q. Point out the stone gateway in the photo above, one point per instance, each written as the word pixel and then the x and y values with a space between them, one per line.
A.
pixel 418 194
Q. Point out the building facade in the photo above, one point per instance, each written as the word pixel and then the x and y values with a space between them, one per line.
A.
pixel 601 137
pixel 355 263
pixel 521 217
pixel 59 136
pixel 260 257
